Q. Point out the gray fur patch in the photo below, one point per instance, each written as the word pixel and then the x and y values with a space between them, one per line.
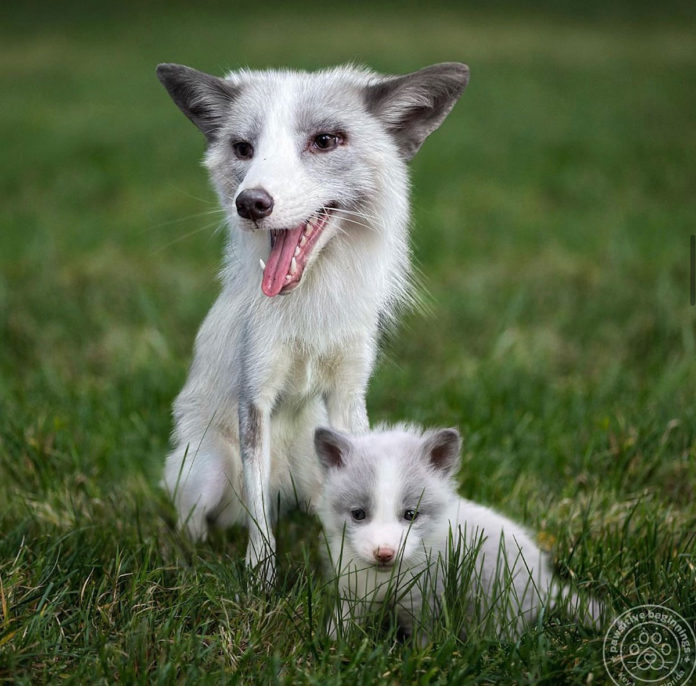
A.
pixel 249 429
pixel 419 492
pixel 353 486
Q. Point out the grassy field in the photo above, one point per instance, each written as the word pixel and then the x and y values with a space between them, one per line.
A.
pixel 552 216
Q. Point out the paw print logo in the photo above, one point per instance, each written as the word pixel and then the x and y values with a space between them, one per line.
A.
pixel 650 644
pixel 650 652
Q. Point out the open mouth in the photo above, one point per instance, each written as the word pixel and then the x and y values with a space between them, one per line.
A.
pixel 290 251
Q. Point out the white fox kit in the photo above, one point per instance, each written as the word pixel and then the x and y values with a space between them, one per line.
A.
pixel 311 171
pixel 392 518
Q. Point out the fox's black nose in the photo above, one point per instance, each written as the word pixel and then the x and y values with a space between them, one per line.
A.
pixel 254 204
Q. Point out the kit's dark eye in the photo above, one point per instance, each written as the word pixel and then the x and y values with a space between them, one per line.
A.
pixel 410 515
pixel 324 142
pixel 358 514
pixel 243 150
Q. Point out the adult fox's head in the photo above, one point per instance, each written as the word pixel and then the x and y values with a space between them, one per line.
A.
pixel 298 158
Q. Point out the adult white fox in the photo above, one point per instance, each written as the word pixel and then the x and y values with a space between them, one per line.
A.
pixel 311 171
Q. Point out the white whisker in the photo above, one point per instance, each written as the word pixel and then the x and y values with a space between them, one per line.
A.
pixel 178 239
pixel 172 222
pixel 373 226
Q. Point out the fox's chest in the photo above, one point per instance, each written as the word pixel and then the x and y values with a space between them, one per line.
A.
pixel 306 376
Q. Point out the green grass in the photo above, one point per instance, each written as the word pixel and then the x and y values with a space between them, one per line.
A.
pixel 552 215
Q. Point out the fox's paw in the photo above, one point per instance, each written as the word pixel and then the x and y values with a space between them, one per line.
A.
pixel 261 559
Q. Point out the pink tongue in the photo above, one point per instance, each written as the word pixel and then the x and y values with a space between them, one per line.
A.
pixel 279 260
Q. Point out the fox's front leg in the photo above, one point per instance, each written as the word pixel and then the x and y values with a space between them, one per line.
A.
pixel 338 622
pixel 346 612
pixel 347 411
pixel 345 402
pixel 254 438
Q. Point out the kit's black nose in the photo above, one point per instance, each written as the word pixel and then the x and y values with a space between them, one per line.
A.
pixel 254 204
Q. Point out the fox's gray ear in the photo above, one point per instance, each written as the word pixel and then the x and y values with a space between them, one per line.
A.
pixel 442 448
pixel 414 105
pixel 203 98
pixel 332 447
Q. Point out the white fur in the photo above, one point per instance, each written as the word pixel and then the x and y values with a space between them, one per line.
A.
pixel 507 582
pixel 278 367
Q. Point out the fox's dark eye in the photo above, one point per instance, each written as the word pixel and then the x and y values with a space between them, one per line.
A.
pixel 243 150
pixel 410 515
pixel 326 141
pixel 357 514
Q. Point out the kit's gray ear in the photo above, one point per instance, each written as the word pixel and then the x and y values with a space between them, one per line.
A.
pixel 414 105
pixel 442 448
pixel 332 447
pixel 203 98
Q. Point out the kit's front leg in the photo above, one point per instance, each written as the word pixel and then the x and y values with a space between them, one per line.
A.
pixel 254 438
pixel 339 621
pixel 345 402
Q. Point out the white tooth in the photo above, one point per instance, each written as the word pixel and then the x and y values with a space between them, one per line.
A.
pixel 293 266
pixel 308 229
pixel 303 241
pixel 262 263
pixel 287 277
pixel 297 251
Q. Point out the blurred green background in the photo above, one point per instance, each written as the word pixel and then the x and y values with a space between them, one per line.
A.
pixel 552 216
